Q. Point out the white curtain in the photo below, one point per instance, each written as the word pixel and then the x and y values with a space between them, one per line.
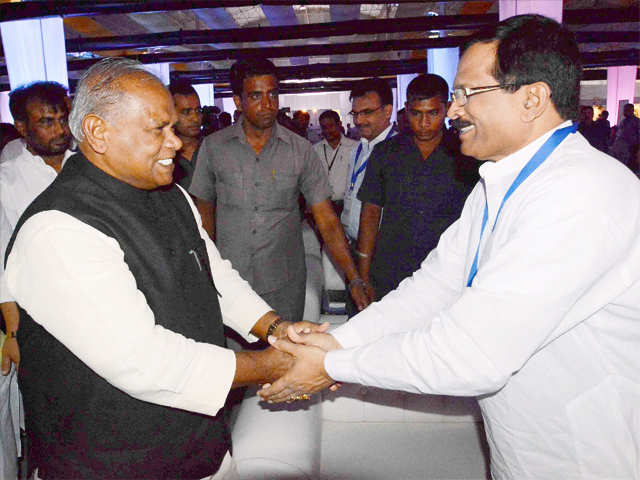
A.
pixel 35 50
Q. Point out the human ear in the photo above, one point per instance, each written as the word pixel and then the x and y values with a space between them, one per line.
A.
pixel 537 99
pixel 21 127
pixel 94 130
pixel 238 101
pixel 387 109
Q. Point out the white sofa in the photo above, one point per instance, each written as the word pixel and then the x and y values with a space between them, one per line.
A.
pixel 357 432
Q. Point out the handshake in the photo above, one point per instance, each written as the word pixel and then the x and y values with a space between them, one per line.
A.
pixel 308 344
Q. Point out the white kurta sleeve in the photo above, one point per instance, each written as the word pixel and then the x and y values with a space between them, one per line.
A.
pixel 87 298
pixel 436 284
pixel 5 236
pixel 562 239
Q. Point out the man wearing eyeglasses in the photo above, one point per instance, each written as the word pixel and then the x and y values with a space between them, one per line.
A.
pixel 188 129
pixel 420 184
pixel 254 172
pixel 371 108
pixel 531 300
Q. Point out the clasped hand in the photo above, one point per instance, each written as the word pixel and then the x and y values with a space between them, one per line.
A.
pixel 307 375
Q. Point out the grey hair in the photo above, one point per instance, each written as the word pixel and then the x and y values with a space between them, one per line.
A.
pixel 98 91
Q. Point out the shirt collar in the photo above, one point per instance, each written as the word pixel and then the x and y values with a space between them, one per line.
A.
pixel 510 165
pixel 278 131
pixel 39 159
pixel 369 144
pixel 325 142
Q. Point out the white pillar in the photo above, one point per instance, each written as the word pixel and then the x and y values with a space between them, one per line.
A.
pixel 35 51
pixel 5 113
pixel 205 93
pixel 443 62
pixel 548 8
pixel 402 82
pixel 160 70
pixel 621 86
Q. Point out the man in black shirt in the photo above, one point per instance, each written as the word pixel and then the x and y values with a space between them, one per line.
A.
pixel 419 183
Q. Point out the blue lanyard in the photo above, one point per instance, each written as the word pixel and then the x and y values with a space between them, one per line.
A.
pixel 540 156
pixel 356 173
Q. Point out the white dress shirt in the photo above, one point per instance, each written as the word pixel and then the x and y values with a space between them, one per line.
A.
pixel 547 336
pixel 336 163
pixel 351 214
pixel 23 176
pixel 87 278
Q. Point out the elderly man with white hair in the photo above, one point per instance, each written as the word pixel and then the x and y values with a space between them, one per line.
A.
pixel 123 298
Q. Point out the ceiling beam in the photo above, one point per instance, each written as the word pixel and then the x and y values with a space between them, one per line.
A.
pixel 611 58
pixel 288 32
pixel 35 9
pixel 325 49
pixel 317 70
pixel 306 87
pixel 316 30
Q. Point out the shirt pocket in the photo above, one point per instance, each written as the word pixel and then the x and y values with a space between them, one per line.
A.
pixel 229 189
pixel 285 191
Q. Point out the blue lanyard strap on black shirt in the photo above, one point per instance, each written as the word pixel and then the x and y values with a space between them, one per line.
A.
pixel 356 173
pixel 538 158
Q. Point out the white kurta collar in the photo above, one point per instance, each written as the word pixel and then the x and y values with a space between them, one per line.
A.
pixel 510 166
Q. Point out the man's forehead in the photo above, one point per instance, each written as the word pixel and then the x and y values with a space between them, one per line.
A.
pixel 476 63
pixel 190 99
pixel 426 104
pixel 153 98
pixel 42 107
pixel 259 83
pixel 368 98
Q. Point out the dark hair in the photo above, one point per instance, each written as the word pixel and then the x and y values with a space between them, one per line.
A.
pixel 246 68
pixel 427 86
pixel 377 85
pixel 7 133
pixel 533 48
pixel 49 93
pixel 182 87
pixel 225 119
pixel 330 114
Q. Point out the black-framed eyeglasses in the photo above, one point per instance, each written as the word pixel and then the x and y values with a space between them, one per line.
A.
pixel 461 94
pixel 364 113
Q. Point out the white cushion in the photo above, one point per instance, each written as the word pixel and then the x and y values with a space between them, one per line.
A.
pixel 356 403
pixel 333 280
pixel 276 441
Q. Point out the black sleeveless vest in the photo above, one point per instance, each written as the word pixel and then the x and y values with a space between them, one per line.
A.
pixel 79 425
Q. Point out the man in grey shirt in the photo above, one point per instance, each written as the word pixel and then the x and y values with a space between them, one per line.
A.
pixel 247 182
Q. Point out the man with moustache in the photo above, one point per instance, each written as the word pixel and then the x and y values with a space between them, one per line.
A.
pixel 371 108
pixel 27 166
pixel 188 129
pixel 122 299
pixel 334 152
pixel 40 111
pixel 252 173
pixel 420 185
pixel 531 300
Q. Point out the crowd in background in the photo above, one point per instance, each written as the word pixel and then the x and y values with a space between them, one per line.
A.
pixel 620 141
